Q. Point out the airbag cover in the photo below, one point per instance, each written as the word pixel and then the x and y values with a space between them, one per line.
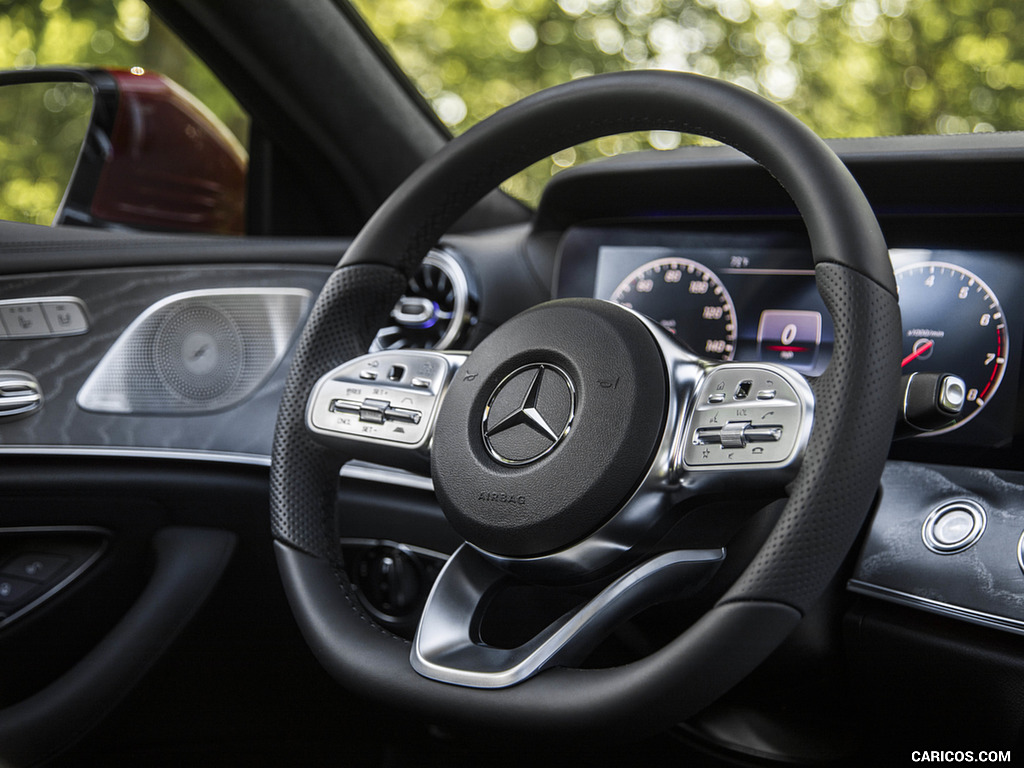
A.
pixel 574 395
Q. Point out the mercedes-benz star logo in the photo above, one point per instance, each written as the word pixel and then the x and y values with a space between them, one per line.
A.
pixel 528 414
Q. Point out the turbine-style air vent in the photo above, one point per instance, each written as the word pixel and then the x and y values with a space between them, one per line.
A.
pixel 434 312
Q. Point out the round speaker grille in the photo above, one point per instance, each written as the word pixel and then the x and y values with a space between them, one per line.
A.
pixel 198 353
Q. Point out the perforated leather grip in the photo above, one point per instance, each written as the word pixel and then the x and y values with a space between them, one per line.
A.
pixel 855 400
pixel 353 305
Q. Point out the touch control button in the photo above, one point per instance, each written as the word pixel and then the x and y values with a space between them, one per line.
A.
pixel 25 320
pixel 35 566
pixel 39 318
pixel 736 434
pixel 402 414
pixel 953 527
pixel 15 591
pixel 374 411
pixel 65 317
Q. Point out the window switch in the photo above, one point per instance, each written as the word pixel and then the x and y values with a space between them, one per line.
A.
pixel 35 566
pixel 13 592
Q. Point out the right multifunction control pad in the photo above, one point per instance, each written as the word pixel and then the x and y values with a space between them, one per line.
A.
pixel 748 415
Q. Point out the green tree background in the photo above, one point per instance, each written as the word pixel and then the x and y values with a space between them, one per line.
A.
pixel 89 33
pixel 844 67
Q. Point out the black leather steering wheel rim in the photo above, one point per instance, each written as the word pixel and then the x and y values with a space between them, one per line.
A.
pixel 828 500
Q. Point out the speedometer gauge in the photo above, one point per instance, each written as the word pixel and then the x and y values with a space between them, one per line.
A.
pixel 686 298
pixel 953 323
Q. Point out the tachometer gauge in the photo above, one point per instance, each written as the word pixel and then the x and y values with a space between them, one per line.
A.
pixel 952 323
pixel 687 299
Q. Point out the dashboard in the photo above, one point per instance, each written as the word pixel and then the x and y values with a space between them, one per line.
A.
pixel 711 247
pixel 703 243
pixel 751 296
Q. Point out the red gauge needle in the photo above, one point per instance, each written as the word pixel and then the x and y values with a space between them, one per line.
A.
pixel 917 353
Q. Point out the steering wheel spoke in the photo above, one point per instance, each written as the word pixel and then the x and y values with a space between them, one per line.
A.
pixel 448 648
pixel 382 407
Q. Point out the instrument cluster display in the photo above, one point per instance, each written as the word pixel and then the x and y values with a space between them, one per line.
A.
pixel 952 321
pixel 752 297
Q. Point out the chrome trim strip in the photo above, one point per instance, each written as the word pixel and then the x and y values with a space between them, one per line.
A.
pixel 137 453
pixel 904 404
pixel 445 647
pixel 1020 552
pixel 377 473
pixel 970 615
pixel 20 395
pixel 39 299
pixel 408 548
pixel 355 470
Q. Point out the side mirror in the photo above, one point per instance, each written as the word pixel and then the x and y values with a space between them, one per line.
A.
pixel 150 156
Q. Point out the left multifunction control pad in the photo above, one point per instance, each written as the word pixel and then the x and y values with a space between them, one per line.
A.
pixel 387 399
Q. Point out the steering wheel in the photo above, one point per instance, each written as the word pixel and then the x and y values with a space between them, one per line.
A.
pixel 561 447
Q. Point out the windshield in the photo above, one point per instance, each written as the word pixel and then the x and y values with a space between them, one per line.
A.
pixel 844 67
